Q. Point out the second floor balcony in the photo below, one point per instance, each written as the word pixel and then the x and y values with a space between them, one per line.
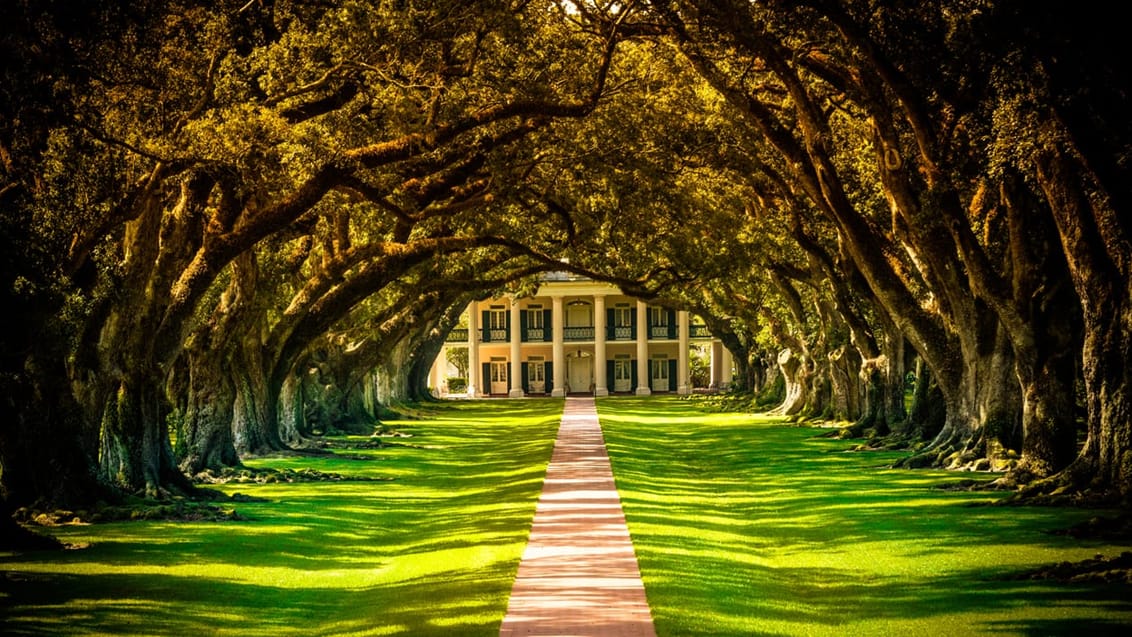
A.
pixel 576 333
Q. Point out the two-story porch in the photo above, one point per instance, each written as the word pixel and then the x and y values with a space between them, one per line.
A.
pixel 577 336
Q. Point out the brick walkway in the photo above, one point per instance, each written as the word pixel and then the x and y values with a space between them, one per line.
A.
pixel 579 576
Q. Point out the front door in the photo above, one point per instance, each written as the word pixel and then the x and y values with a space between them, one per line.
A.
pixel 622 374
pixel 499 383
pixel 658 372
pixel 579 374
pixel 536 375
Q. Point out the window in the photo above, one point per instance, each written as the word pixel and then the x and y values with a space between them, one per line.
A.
pixel 622 315
pixel 497 318
pixel 497 323
pixel 534 317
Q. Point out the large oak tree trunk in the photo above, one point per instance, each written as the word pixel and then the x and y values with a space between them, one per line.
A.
pixel 135 453
pixel 893 374
pixel 205 439
pixel 392 380
pixel 1095 243
pixel 795 373
pixel 927 412
pixel 293 426
pixel 255 424
pixel 844 384
pixel 1000 403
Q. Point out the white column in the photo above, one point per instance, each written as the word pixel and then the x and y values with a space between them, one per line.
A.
pixel 716 364
pixel 683 387
pixel 516 351
pixel 558 331
pixel 473 351
pixel 436 374
pixel 643 380
pixel 725 364
pixel 601 384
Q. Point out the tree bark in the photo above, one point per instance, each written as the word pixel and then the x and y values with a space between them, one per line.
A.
pixel 205 438
pixel 255 424
pixel 796 376
pixel 135 453
pixel 927 412
pixel 1095 246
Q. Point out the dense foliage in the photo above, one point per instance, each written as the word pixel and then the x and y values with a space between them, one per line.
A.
pixel 238 222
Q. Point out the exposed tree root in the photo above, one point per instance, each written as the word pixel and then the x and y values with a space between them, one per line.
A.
pixel 181 510
pixel 194 503
pixel 1113 529
pixel 974 486
pixel 1074 486
pixel 1099 570
pixel 247 475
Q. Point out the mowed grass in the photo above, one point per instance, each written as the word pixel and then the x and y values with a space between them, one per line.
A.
pixel 746 526
pixel 433 551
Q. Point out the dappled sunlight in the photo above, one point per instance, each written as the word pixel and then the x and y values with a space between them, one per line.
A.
pixel 741 525
pixel 432 551
pixel 746 525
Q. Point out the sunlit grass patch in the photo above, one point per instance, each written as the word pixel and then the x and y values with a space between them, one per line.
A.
pixel 744 525
pixel 430 548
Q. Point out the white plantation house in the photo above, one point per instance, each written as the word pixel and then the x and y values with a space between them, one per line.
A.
pixel 577 335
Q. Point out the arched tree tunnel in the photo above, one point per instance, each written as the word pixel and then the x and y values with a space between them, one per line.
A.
pixel 220 218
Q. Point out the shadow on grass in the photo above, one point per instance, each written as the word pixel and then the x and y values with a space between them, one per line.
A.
pixel 747 526
pixel 177 605
pixel 432 552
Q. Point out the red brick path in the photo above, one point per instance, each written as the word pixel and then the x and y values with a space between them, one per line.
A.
pixel 579 576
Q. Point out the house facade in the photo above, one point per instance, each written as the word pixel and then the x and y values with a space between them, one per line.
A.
pixel 578 336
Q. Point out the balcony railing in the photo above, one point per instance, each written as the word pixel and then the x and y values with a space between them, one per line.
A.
pixel 543 335
pixel 496 335
pixel 578 333
pixel 621 333
pixel 536 335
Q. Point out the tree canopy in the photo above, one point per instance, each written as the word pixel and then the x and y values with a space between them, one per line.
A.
pixel 208 205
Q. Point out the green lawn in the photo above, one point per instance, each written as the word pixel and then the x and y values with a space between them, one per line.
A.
pixel 433 551
pixel 746 526
pixel 743 526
